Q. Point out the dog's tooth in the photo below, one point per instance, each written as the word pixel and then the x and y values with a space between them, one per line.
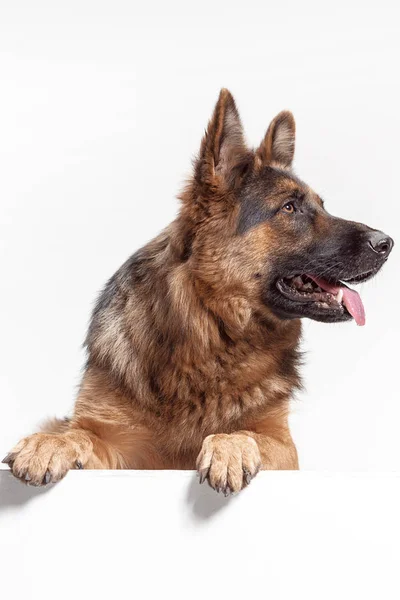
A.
pixel 339 296
pixel 298 282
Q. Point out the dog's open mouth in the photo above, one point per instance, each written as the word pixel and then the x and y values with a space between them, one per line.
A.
pixel 333 297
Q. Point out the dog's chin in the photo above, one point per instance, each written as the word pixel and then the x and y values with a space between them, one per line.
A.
pixel 309 296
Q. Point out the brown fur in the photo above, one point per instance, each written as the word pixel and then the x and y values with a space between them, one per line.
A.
pixel 186 364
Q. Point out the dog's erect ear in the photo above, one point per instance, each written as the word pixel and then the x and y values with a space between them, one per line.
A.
pixel 279 142
pixel 223 150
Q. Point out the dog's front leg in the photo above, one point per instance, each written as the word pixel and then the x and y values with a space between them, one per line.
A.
pixel 43 458
pixel 275 442
pixel 102 434
pixel 230 461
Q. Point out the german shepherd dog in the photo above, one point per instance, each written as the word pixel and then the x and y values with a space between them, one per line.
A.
pixel 193 346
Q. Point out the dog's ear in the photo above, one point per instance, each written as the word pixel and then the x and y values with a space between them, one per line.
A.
pixel 223 152
pixel 279 141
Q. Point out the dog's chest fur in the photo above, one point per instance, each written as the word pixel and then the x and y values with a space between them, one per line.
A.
pixel 227 389
pixel 176 361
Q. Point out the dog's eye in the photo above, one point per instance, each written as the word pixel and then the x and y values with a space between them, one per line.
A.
pixel 289 208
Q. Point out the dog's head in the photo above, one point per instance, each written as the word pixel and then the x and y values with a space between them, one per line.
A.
pixel 261 237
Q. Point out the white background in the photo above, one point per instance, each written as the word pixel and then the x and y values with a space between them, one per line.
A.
pixel 289 536
pixel 103 105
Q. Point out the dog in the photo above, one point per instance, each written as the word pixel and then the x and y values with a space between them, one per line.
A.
pixel 193 346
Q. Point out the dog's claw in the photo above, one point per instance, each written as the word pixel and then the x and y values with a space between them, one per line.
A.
pixel 247 476
pixel 227 491
pixel 78 464
pixel 47 478
pixel 8 459
pixel 27 477
pixel 203 475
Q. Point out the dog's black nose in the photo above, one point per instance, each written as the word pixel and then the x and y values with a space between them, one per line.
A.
pixel 380 243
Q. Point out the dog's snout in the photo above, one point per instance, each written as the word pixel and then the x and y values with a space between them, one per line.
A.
pixel 380 243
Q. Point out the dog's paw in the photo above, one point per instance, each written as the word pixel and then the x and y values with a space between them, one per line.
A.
pixel 44 458
pixel 228 461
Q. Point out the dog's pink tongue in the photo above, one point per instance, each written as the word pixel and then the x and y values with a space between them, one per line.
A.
pixel 351 299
